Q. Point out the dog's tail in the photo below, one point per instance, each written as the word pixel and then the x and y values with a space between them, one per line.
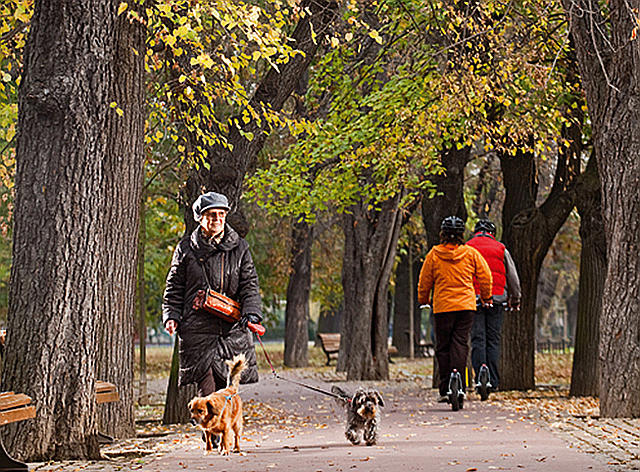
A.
pixel 236 366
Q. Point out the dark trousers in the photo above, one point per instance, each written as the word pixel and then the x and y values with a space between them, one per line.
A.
pixel 485 341
pixel 452 348
pixel 209 384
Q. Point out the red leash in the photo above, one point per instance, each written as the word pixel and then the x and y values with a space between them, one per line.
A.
pixel 259 330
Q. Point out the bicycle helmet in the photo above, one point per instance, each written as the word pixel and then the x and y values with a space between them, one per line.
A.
pixel 485 226
pixel 452 225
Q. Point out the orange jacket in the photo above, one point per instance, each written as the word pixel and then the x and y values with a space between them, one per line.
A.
pixel 448 270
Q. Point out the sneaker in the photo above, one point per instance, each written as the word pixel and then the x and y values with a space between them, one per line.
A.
pixel 443 399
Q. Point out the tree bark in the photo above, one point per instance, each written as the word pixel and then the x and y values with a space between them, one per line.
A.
pixel 528 231
pixel 78 163
pixel 296 337
pixel 123 183
pixel 608 62
pixel 371 237
pixel 142 308
pixel 585 373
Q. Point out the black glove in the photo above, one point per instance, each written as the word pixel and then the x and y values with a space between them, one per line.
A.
pixel 250 318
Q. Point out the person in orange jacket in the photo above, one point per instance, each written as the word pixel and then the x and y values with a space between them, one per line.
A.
pixel 446 280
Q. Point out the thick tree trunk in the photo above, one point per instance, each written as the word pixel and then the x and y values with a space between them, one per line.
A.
pixel 528 231
pixel 449 201
pixel 73 150
pixel 611 80
pixel 406 289
pixel 585 374
pixel 370 246
pixel 123 182
pixel 296 336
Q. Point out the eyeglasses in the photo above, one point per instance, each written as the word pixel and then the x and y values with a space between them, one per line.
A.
pixel 214 214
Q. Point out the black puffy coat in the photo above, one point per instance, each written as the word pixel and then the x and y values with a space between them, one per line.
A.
pixel 205 340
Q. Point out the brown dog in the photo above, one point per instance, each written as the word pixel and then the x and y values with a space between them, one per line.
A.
pixel 221 412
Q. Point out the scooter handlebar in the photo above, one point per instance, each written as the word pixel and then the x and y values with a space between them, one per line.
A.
pixel 257 328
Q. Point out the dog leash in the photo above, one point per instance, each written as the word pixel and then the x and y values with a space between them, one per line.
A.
pixel 258 330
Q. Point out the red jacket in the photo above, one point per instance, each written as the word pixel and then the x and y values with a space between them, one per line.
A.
pixel 493 253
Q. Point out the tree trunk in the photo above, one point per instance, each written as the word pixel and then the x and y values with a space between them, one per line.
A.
pixel 73 152
pixel 123 182
pixel 593 268
pixel 371 237
pixel 608 62
pixel 448 202
pixel 142 308
pixel 405 289
pixel 296 337
pixel 528 231
pixel 175 410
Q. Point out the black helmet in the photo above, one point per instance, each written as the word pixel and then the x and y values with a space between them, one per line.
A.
pixel 452 225
pixel 486 226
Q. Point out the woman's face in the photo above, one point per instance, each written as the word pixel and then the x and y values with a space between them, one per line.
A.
pixel 212 221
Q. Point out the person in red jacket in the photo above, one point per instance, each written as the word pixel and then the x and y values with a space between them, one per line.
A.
pixel 446 280
pixel 487 324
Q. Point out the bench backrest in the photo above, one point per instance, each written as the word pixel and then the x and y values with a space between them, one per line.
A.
pixel 330 340
pixel 15 407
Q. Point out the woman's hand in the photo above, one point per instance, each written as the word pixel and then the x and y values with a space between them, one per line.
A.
pixel 250 318
pixel 171 326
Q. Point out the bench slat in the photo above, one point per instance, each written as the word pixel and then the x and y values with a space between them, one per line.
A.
pixel 106 397
pixel 330 344
pixel 102 386
pixel 14 401
pixel 17 414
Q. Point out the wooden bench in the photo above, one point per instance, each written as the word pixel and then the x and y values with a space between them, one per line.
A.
pixel 330 344
pixel 106 392
pixel 13 407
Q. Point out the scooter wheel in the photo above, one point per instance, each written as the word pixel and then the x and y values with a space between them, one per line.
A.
pixel 454 399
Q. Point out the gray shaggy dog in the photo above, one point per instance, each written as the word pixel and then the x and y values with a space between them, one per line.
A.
pixel 363 413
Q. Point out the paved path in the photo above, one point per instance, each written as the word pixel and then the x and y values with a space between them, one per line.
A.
pixel 300 430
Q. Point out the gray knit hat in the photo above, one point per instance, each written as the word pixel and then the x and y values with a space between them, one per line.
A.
pixel 208 201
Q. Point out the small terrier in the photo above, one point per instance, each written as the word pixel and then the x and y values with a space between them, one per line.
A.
pixel 221 412
pixel 363 413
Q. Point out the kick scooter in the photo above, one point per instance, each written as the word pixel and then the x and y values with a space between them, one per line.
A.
pixel 483 384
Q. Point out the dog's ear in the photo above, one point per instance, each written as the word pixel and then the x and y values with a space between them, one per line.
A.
pixel 379 398
pixel 210 407
pixel 190 405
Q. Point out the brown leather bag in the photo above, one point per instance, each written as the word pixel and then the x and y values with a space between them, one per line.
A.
pixel 217 303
